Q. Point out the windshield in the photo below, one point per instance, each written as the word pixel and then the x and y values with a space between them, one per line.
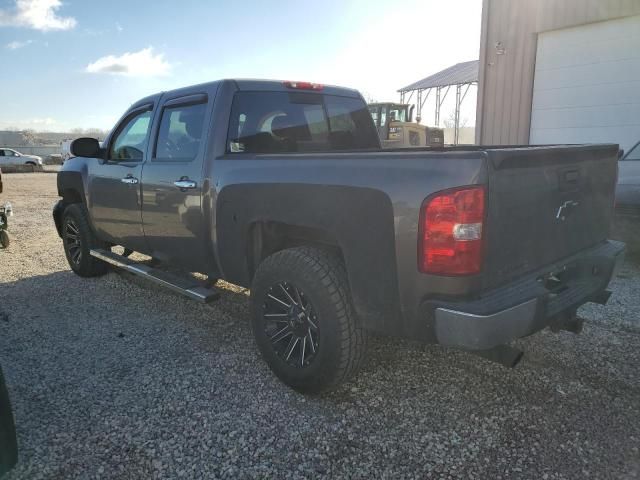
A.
pixel 388 112
pixel 634 153
pixel 398 113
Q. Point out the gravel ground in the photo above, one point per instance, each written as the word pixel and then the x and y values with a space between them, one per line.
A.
pixel 112 379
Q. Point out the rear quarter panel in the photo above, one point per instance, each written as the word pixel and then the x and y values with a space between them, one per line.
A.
pixel 368 202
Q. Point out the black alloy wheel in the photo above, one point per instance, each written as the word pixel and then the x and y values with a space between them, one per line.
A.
pixel 291 324
pixel 73 241
pixel 303 319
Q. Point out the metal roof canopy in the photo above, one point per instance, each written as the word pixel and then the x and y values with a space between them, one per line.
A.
pixel 459 75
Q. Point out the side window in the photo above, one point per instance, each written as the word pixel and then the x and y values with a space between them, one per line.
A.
pixel 350 124
pixel 340 118
pixel 180 133
pixel 130 142
pixel 1 153
pixel 374 114
pixel 9 153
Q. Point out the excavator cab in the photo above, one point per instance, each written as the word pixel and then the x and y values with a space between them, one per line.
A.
pixel 394 122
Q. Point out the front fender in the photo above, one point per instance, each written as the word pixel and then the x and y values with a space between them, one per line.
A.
pixel 58 210
pixel 71 186
pixel 71 182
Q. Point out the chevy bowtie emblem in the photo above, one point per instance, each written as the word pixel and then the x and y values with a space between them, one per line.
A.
pixel 565 208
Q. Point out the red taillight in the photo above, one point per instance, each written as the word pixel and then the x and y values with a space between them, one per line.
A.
pixel 304 85
pixel 450 238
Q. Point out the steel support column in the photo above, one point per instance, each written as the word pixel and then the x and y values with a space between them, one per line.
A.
pixel 408 100
pixel 425 99
pixel 439 101
pixel 459 99
pixel 456 123
pixel 422 99
pixel 419 105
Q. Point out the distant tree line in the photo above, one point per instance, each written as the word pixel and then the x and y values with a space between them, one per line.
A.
pixel 90 132
pixel 31 137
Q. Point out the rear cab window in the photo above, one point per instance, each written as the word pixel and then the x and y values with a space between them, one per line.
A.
pixel 299 122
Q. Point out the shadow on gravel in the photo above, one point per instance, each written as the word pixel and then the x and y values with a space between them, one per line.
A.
pixel 63 297
pixel 142 382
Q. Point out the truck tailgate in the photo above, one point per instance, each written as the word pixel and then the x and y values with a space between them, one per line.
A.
pixel 545 204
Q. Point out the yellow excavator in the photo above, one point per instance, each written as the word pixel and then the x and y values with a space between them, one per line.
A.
pixel 397 129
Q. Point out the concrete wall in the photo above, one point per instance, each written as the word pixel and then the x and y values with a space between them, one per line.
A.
pixel 507 57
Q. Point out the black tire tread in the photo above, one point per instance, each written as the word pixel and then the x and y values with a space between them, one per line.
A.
pixel 327 267
pixel 5 239
pixel 92 267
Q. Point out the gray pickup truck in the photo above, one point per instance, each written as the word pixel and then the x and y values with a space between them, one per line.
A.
pixel 282 187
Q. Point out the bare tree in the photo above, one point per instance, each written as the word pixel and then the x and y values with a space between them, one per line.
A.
pixel 96 133
pixel 450 121
pixel 368 97
pixel 29 136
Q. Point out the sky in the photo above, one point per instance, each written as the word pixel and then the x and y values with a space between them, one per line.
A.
pixel 81 63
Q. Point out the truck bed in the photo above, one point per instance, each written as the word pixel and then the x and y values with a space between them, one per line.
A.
pixel 370 202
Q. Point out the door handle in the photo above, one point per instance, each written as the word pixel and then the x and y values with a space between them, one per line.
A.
pixel 185 183
pixel 129 180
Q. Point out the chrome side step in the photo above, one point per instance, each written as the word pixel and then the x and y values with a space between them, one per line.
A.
pixel 186 286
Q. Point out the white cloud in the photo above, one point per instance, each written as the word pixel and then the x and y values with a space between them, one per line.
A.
pixel 36 14
pixel 16 44
pixel 134 64
pixel 48 121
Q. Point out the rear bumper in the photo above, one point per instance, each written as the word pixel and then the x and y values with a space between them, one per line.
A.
pixel 528 305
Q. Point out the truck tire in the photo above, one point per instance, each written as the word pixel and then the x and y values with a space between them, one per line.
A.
pixel 8 441
pixel 303 320
pixel 78 239
pixel 5 240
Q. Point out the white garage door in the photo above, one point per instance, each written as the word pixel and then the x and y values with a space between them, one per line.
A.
pixel 587 84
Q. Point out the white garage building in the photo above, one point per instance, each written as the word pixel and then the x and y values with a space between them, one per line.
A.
pixel 559 71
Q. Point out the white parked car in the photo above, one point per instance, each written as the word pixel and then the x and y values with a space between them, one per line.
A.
pixel 8 156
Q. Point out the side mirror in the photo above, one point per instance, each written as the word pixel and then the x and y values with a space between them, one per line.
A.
pixel 86 147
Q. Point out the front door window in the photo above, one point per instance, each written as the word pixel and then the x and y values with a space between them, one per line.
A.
pixel 130 143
